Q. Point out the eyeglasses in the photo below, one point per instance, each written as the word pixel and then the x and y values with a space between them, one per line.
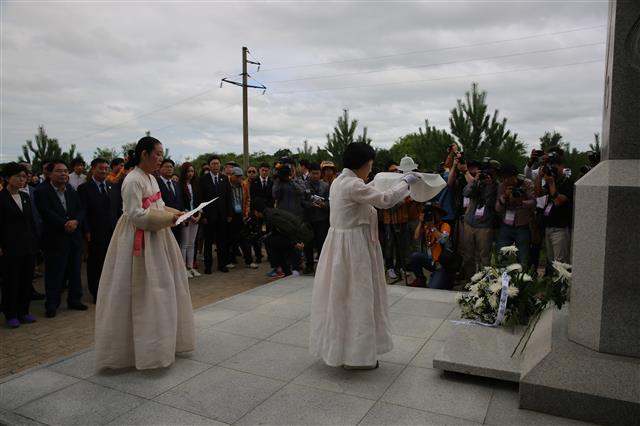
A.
pixel 252 171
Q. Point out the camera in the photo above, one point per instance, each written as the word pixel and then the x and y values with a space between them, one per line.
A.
pixel 549 170
pixel 283 169
pixel 428 215
pixel 316 199
pixel 537 153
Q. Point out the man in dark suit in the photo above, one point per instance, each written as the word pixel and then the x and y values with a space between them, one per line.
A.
pixel 62 217
pixel 171 192
pixel 216 216
pixel 96 195
pixel 261 187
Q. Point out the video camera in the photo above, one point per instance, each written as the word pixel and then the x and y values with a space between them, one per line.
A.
pixel 283 169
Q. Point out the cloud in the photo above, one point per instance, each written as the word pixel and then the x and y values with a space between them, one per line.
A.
pixel 91 73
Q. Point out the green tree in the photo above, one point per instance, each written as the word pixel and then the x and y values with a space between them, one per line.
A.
pixel 427 148
pixel 552 139
pixel 45 148
pixel 71 155
pixel 343 135
pixel 482 134
pixel 131 146
pixel 106 153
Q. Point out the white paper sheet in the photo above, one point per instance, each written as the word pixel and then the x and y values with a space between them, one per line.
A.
pixel 194 211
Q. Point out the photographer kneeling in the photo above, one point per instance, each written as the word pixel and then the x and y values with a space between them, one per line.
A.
pixel 288 234
pixel 436 234
pixel 515 205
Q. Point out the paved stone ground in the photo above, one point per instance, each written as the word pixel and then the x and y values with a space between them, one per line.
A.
pixel 252 366
pixel 70 331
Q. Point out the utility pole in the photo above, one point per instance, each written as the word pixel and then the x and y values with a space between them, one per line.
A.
pixel 245 112
pixel 245 102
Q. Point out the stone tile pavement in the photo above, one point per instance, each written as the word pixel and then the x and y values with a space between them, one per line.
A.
pixel 252 366
pixel 70 331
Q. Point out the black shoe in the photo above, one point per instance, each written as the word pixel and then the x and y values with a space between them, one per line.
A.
pixel 50 313
pixel 37 296
pixel 77 306
pixel 223 269
pixel 207 271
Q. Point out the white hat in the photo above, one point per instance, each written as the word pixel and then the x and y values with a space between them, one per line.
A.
pixel 407 164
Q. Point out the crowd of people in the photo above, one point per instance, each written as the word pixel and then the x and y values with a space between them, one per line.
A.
pixel 62 214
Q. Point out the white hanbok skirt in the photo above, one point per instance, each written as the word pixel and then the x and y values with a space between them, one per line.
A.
pixel 349 312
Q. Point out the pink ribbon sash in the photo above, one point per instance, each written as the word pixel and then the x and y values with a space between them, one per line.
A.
pixel 138 241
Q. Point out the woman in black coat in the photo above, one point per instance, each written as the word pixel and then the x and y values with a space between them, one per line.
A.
pixel 18 246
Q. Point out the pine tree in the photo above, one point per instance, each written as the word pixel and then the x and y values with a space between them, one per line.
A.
pixel 343 135
pixel 45 149
pixel 482 134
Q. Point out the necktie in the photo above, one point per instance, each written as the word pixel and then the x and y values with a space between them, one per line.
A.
pixel 103 191
pixel 215 180
pixel 173 190
pixel 264 184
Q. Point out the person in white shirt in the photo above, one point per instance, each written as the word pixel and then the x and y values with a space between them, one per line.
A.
pixel 77 177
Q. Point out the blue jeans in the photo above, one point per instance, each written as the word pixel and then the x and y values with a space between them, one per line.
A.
pixel 440 279
pixel 518 235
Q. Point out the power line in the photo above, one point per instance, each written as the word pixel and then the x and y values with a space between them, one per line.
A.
pixel 438 49
pixel 393 83
pixel 114 126
pixel 531 52
pixel 163 108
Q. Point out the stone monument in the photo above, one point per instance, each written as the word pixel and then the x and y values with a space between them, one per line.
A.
pixel 592 369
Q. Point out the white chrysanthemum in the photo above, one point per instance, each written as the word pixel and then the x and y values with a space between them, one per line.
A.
pixel 474 289
pixel 526 277
pixel 512 291
pixel 557 264
pixel 509 250
pixel 477 276
pixel 514 267
pixel 563 275
pixel 563 270
pixel 479 302
pixel 495 287
pixel 493 301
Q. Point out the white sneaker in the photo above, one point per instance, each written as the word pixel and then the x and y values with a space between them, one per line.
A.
pixel 392 274
pixel 189 273
pixel 194 272
pixel 231 266
pixel 295 273
pixel 253 265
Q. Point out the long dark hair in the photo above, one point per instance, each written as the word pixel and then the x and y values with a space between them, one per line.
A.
pixel 184 169
pixel 146 144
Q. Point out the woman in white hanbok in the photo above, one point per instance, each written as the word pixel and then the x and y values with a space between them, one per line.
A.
pixel 143 312
pixel 349 313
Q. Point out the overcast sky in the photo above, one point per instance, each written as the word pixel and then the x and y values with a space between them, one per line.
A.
pixel 102 73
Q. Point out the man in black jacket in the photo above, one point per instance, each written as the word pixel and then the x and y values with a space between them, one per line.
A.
pixel 261 187
pixel 62 217
pixel 171 192
pixel 97 197
pixel 288 234
pixel 216 216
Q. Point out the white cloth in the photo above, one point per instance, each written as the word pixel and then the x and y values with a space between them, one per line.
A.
pixel 143 314
pixel 349 313
pixel 423 189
